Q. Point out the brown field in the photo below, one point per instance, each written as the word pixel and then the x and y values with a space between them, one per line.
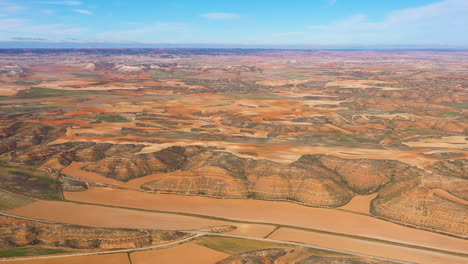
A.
pixel 456 142
pixel 92 259
pixel 359 204
pixel 185 253
pixel 254 230
pixel 272 212
pixel 365 247
pixel 97 216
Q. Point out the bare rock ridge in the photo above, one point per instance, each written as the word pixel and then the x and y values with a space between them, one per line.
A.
pixel 362 176
pixel 23 135
pixel 108 66
pixel 13 71
pixel 20 233
pixel 454 168
pixel 297 256
pixel 257 257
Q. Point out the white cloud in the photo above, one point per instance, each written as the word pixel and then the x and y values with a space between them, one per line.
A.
pixel 331 3
pixel 442 22
pixel 12 23
pixel 70 3
pixel 286 34
pixel 19 25
pixel 48 11
pixel 317 27
pixel 27 39
pixel 144 33
pixel 220 16
pixel 7 7
pixel 83 11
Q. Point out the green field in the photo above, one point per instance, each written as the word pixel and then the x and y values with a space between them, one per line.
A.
pixel 39 92
pixel 164 74
pixel 28 181
pixel 256 96
pixel 87 75
pixel 27 82
pixel 106 118
pixel 235 245
pixel 10 200
pixel 28 251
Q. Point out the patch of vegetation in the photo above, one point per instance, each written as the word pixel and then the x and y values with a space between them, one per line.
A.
pixel 463 105
pixel 87 75
pixel 101 83
pixel 450 114
pixel 27 82
pixel 28 251
pixel 295 75
pixel 10 200
pixel 106 118
pixel 343 136
pixel 235 245
pixel 256 96
pixel 165 74
pixel 28 181
pixel 39 92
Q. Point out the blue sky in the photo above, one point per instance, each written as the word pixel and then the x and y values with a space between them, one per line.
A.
pixel 248 22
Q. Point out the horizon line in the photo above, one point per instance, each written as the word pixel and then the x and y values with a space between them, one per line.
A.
pixel 12 44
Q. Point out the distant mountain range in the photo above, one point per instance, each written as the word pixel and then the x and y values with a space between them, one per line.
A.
pixel 82 45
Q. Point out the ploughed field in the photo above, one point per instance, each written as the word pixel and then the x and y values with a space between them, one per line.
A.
pixel 378 133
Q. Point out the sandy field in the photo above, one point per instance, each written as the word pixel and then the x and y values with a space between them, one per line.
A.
pixel 73 170
pixel 272 212
pixel 457 142
pixel 287 154
pixel 252 230
pixel 183 254
pixel 359 203
pixel 120 258
pixel 444 194
pixel 98 216
pixel 365 247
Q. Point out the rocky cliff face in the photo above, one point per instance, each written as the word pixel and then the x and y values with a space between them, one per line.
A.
pixel 296 255
pixel 452 168
pixel 20 233
pixel 265 256
pixel 197 170
pixel 339 260
pixel 13 71
pixel 22 135
pixel 419 206
pixel 429 200
pixel 362 176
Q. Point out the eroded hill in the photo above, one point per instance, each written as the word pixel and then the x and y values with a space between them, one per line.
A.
pixel 311 127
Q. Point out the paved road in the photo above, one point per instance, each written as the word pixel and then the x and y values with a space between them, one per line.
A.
pixel 30 219
pixel 195 235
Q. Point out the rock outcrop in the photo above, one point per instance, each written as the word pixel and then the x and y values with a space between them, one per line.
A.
pixel 420 207
pixel 22 135
pixel 363 176
pixel 20 233
pixel 339 260
pixel 13 71
pixel 454 168
pixel 264 256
